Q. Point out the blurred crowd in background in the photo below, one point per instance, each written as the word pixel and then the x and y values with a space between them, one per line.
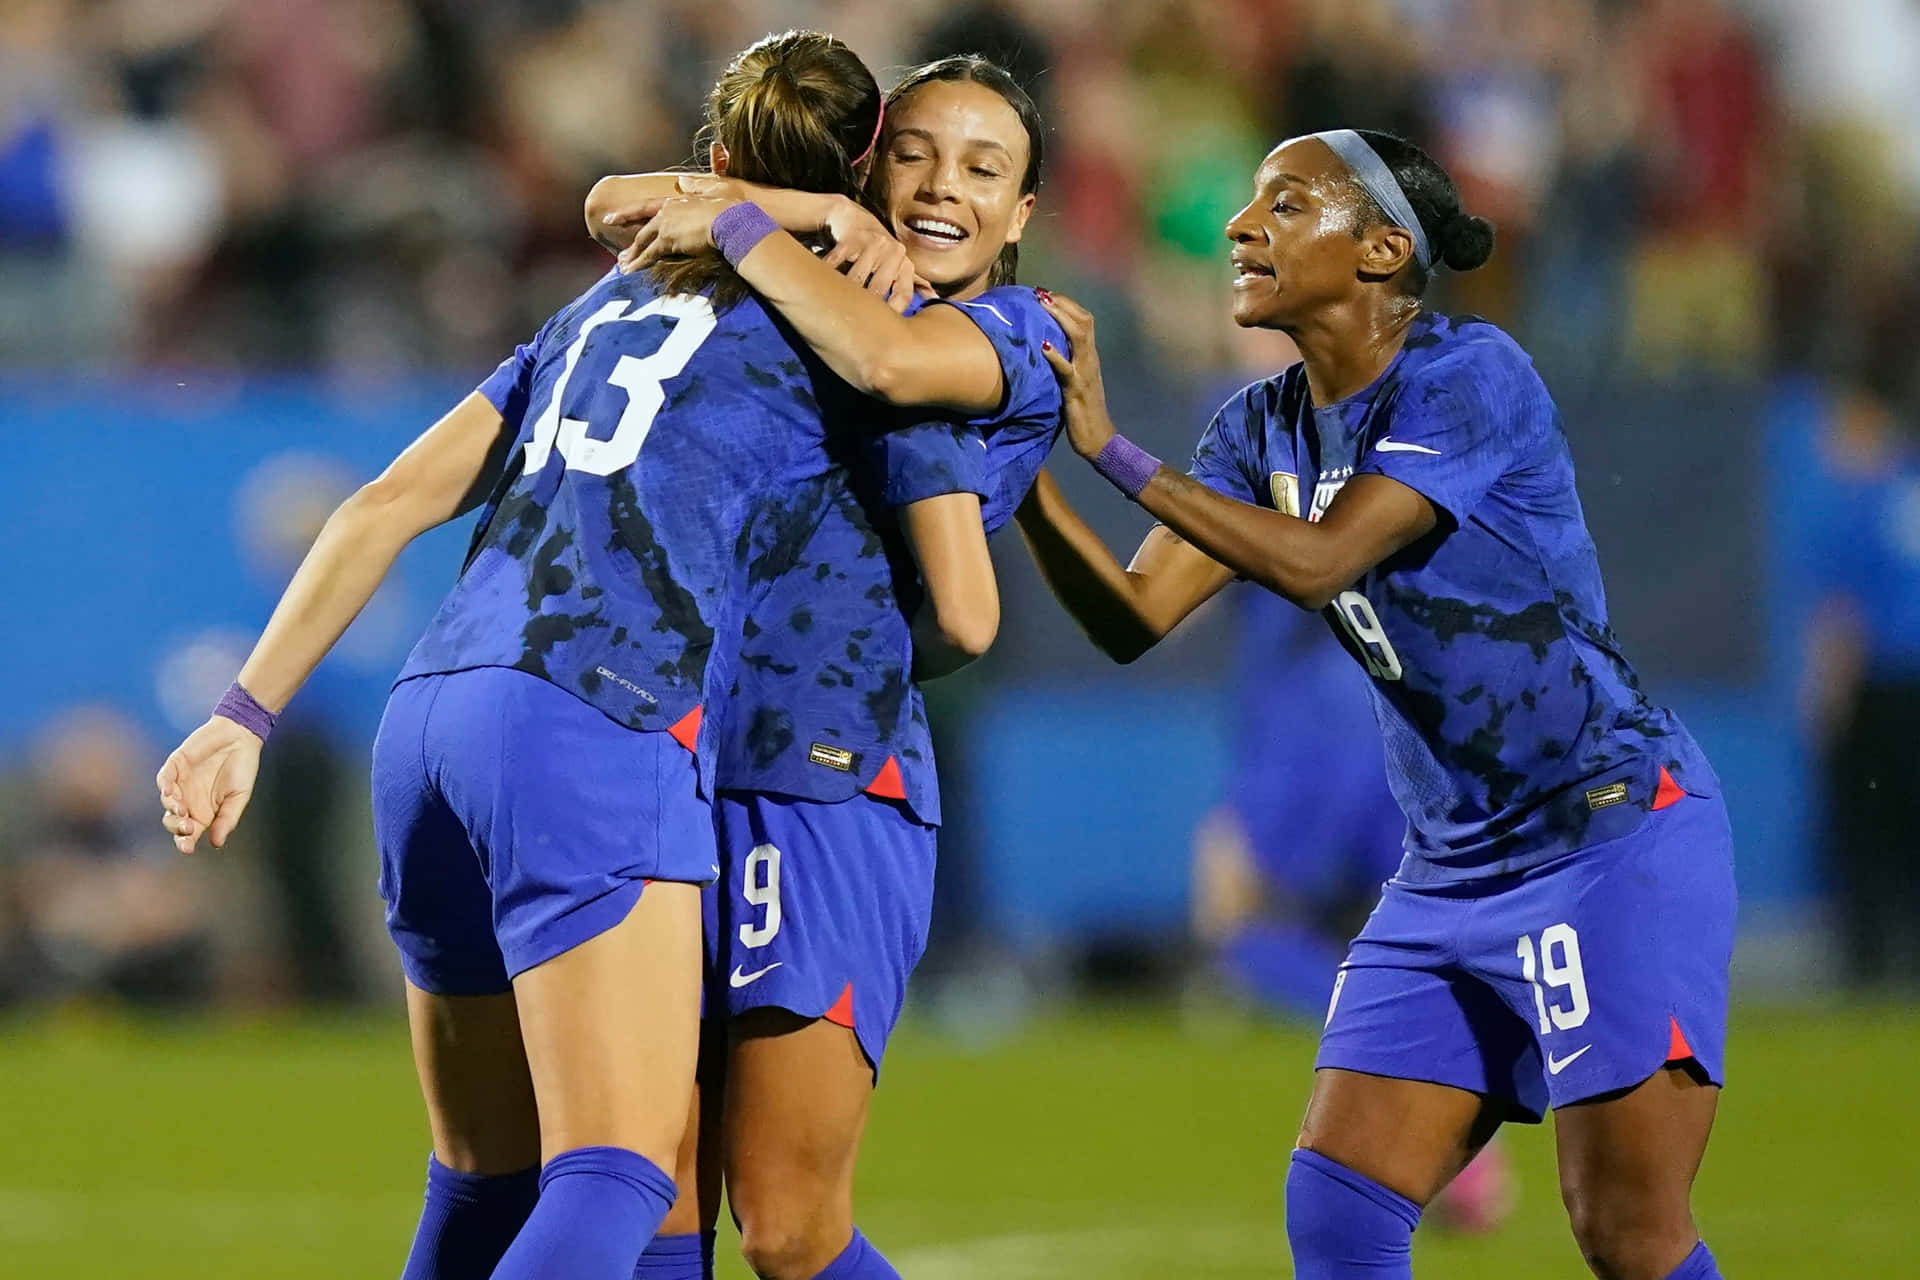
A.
pixel 374 190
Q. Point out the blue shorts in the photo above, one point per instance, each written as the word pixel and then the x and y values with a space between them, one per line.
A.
pixel 1570 980
pixel 516 822
pixel 821 909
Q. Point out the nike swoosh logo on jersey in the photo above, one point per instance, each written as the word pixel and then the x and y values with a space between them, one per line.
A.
pixel 1556 1065
pixel 738 979
pixel 1389 445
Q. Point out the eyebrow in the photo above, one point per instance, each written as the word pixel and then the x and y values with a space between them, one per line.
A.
pixel 925 136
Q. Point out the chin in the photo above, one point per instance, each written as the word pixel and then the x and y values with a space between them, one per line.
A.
pixel 1249 314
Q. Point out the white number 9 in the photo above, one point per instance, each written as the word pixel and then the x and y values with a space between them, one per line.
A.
pixel 760 886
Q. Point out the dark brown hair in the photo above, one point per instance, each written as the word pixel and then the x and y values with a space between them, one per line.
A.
pixel 793 110
pixel 978 69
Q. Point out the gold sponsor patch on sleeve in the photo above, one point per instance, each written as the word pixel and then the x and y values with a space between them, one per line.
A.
pixel 1612 793
pixel 833 757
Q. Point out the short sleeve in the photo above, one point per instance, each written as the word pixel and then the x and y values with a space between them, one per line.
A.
pixel 1222 460
pixel 1452 435
pixel 1020 435
pixel 927 459
pixel 509 387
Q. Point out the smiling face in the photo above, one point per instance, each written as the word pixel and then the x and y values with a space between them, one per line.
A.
pixel 1294 247
pixel 955 160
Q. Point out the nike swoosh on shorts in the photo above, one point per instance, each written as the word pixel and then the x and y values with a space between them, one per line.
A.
pixel 1556 1065
pixel 738 979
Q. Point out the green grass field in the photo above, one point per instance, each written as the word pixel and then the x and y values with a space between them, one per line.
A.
pixel 1121 1145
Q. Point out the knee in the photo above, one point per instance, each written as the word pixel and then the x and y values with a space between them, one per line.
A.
pixel 787 1233
pixel 787 1248
pixel 1625 1235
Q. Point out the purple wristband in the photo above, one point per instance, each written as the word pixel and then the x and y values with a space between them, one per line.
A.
pixel 237 705
pixel 737 228
pixel 1126 464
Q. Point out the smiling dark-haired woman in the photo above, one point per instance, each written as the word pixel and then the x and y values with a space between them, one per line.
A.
pixel 1559 930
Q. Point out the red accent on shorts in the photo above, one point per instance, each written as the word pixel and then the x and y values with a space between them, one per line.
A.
pixel 1678 1050
pixel 841 1015
pixel 888 784
pixel 1669 792
pixel 686 730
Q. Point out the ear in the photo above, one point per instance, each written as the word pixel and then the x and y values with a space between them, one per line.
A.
pixel 716 160
pixel 1021 212
pixel 1385 250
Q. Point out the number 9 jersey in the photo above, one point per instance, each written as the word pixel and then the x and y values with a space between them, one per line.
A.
pixel 651 433
pixel 1515 730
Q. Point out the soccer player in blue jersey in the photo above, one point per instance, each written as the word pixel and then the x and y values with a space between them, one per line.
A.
pixel 540 814
pixel 1559 930
pixel 828 800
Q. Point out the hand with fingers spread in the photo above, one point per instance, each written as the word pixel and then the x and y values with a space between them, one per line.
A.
pixel 680 227
pixel 870 256
pixel 1083 395
pixel 206 783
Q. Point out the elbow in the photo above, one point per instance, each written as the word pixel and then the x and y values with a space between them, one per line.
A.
pixel 881 376
pixel 969 633
pixel 1312 591
pixel 1128 645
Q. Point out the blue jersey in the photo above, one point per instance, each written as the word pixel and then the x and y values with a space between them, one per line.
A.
pixel 653 436
pixel 1515 730
pixel 821 704
pixel 1019 434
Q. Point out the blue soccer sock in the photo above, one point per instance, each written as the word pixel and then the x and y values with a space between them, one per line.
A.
pixel 859 1261
pixel 686 1257
pixel 1345 1226
pixel 598 1208
pixel 468 1222
pixel 1698 1265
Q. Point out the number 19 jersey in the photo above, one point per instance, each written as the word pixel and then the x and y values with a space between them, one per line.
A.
pixel 651 433
pixel 1515 729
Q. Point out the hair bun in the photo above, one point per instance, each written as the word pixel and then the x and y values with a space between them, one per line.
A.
pixel 1466 241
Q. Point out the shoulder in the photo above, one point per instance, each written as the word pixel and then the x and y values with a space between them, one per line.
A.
pixel 1263 401
pixel 1013 313
pixel 1476 365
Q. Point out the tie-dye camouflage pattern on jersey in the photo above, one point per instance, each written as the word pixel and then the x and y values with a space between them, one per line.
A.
pixel 652 435
pixel 821 696
pixel 822 700
pixel 1515 730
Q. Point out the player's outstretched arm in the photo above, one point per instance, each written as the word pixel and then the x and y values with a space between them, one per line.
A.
pixel 937 358
pixel 1307 562
pixel 206 782
pixel 1124 611
pixel 961 614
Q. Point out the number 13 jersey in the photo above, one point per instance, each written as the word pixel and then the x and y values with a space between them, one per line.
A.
pixel 651 434
pixel 1515 730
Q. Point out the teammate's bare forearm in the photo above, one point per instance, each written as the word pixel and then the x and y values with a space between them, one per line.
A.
pixel 1124 610
pixel 1306 562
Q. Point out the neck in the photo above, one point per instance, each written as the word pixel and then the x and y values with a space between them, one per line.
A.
pixel 961 290
pixel 1346 347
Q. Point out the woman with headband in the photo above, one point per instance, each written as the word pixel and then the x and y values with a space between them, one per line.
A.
pixel 1559 931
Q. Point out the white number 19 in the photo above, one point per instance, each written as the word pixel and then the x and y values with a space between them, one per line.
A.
pixel 1558 966
pixel 1358 620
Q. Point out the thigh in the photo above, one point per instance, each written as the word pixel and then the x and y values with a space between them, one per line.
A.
pixel 473 1075
pixel 1627 1164
pixel 797 1091
pixel 611 1029
pixel 1616 959
pixel 438 905
pixel 821 910
pixel 1409 1136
